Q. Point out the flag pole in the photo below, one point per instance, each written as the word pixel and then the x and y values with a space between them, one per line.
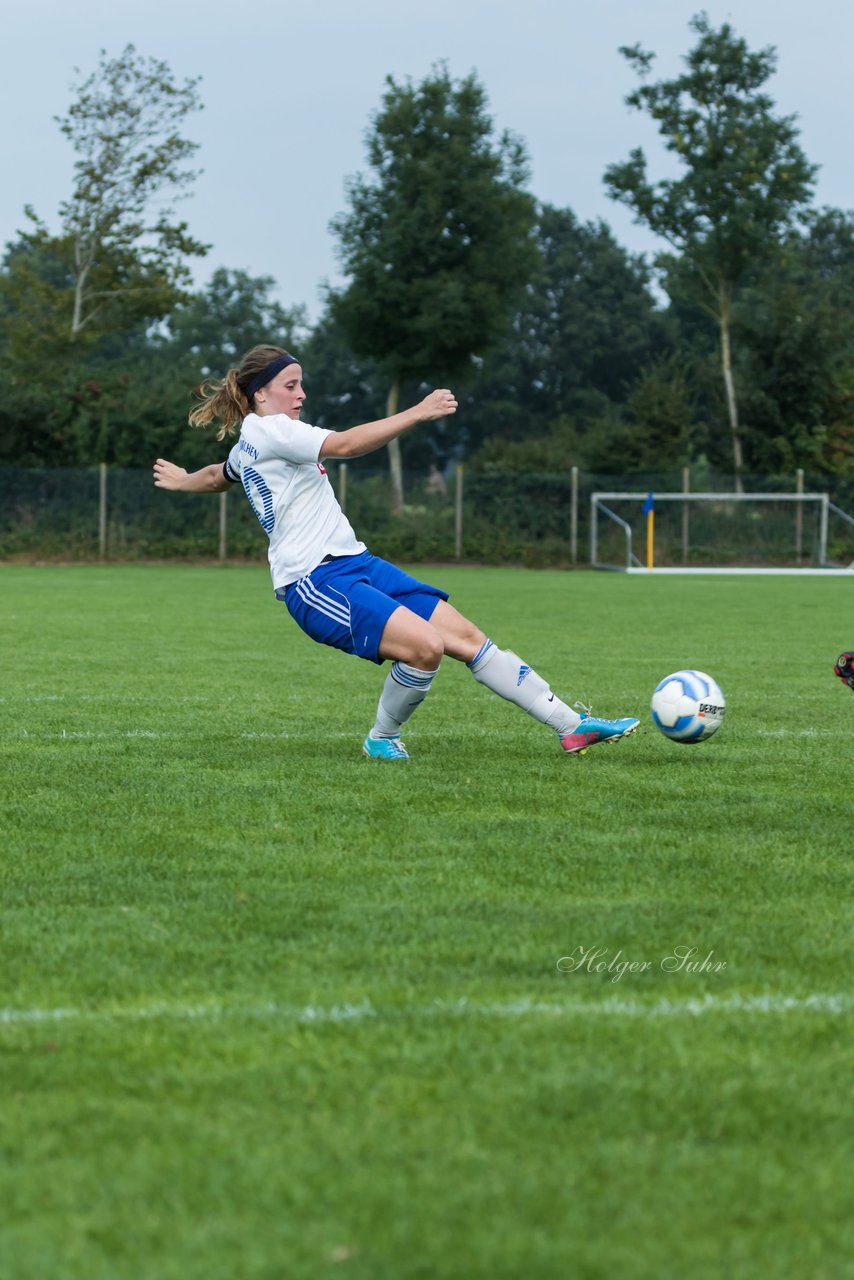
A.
pixel 649 508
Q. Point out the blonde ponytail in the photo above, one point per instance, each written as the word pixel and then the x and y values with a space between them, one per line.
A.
pixel 224 400
pixel 220 401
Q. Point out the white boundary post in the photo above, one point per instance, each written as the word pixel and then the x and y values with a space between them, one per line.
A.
pixel 799 515
pixel 573 516
pixel 102 511
pixel 822 542
pixel 686 488
pixel 458 513
pixel 594 533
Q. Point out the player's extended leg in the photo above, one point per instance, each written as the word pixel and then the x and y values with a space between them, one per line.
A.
pixel 504 672
pixel 415 648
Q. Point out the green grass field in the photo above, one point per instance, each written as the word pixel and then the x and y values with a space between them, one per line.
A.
pixel 270 1011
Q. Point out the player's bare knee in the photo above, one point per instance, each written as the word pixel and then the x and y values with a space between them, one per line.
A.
pixel 431 650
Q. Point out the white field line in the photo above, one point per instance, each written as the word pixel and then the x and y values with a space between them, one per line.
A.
pixel 102 735
pixel 169 735
pixel 796 733
pixel 829 1004
pixel 178 700
pixel 190 734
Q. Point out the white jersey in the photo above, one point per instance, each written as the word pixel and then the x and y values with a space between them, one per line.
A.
pixel 276 460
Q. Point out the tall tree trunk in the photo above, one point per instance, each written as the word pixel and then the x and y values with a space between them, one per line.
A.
pixel 395 465
pixel 83 263
pixel 77 313
pixel 732 403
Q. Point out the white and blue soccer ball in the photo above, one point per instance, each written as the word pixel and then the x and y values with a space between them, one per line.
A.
pixel 688 706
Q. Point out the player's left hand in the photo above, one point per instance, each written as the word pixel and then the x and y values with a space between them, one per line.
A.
pixel 845 668
pixel 440 403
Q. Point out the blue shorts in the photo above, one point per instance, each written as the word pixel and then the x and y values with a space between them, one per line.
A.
pixel 347 602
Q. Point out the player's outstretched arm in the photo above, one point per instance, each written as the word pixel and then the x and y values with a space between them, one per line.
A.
pixel 208 480
pixel 373 435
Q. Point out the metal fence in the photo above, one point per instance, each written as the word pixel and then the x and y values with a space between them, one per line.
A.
pixel 534 519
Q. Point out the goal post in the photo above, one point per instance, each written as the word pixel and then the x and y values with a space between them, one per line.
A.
pixel 697 532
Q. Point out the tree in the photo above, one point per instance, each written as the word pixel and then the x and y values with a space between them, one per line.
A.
pixel 798 352
pixel 122 245
pixel 744 178
pixel 437 242
pixel 662 405
pixel 215 326
pixel 342 387
pixel 77 303
pixel 585 327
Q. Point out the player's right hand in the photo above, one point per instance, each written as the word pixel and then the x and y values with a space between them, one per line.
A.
pixel 167 475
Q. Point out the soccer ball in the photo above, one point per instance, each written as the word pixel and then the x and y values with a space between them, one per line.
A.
pixel 688 706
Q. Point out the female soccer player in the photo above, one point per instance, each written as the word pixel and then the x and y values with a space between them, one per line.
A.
pixel 334 589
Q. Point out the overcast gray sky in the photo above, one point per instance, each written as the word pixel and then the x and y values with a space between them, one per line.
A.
pixel 288 97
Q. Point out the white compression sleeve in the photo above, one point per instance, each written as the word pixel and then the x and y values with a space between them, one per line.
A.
pixel 405 689
pixel 506 674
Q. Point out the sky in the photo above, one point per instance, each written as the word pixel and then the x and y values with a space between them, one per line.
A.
pixel 289 92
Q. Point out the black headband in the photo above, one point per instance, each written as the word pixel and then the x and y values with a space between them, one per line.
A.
pixel 268 373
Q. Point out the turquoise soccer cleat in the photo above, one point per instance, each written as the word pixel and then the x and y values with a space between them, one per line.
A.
pixel 591 731
pixel 384 749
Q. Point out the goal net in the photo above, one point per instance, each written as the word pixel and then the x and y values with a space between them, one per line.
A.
pixel 720 533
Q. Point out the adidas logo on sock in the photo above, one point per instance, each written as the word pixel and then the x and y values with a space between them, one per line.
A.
pixel 523 671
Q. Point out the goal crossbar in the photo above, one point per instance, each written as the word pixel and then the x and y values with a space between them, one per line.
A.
pixel 633 565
